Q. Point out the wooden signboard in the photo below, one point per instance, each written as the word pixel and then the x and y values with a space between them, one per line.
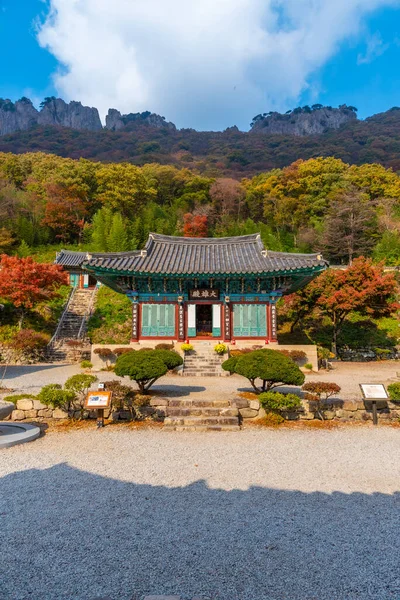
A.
pixel 372 394
pixel 99 399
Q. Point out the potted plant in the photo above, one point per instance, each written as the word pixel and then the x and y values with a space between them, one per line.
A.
pixel 221 348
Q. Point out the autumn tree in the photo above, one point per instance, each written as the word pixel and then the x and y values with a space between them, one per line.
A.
pixel 350 227
pixel 227 196
pixel 65 213
pixel 362 287
pixel 24 282
pixel 194 226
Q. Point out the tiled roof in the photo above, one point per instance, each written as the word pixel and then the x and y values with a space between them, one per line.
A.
pixel 177 255
pixel 67 258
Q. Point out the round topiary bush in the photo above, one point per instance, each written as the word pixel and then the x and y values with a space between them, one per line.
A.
pixel 169 357
pixel 275 402
pixel 144 367
pixel 271 366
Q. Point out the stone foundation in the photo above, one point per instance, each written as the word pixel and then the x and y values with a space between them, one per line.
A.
pixel 246 409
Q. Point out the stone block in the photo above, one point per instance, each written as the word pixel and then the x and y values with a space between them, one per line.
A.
pixel 47 413
pixel 240 403
pixel 307 416
pixel 248 413
pixel 329 415
pixel 147 411
pixel 24 404
pixel 229 412
pixel 254 404
pixel 31 414
pixel 220 403
pixel 37 405
pixel 59 414
pixel 350 405
pixel 159 402
pixel 17 415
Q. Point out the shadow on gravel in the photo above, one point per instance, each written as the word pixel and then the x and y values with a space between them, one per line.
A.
pixel 68 534
pixel 176 391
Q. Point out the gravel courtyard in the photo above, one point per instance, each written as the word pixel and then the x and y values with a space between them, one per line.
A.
pixel 254 515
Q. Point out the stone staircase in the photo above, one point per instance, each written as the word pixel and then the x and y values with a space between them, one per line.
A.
pixel 72 326
pixel 201 415
pixel 203 361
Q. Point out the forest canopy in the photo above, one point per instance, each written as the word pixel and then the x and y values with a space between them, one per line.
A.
pixel 320 204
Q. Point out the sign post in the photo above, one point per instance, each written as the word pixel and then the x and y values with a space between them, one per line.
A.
pixel 98 400
pixel 374 393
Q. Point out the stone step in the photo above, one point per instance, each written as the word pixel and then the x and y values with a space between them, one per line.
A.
pixel 201 421
pixel 199 411
pixel 202 428
pixel 200 403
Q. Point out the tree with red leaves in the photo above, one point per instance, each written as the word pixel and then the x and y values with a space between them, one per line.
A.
pixel 362 287
pixel 65 212
pixel 194 226
pixel 24 282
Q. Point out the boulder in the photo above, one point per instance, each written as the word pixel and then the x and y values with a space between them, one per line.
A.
pixel 47 413
pixel 248 413
pixel 254 404
pixel 37 405
pixel 31 414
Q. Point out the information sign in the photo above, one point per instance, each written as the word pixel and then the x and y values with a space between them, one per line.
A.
pixel 98 399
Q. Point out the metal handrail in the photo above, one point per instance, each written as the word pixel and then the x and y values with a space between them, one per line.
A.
pixel 87 314
pixel 57 331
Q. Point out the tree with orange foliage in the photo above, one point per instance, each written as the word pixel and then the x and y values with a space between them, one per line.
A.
pixel 194 226
pixel 362 287
pixel 24 282
pixel 65 212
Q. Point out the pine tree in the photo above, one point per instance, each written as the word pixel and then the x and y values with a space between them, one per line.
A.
pixel 102 222
pixel 23 249
pixel 117 240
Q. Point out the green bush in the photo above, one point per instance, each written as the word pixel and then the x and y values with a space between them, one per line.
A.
pixel 15 397
pixel 170 358
pixel 111 322
pixel 230 364
pixel 123 396
pixel 80 384
pixel 272 367
pixel 86 364
pixel 279 403
pixel 308 366
pixel 394 391
pixel 53 395
pixel 143 367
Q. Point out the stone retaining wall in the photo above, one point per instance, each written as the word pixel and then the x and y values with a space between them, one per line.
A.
pixel 338 410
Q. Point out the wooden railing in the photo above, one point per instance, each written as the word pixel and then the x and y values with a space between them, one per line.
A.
pixel 57 331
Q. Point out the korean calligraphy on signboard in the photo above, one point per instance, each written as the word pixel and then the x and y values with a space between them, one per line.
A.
pixel 134 321
pixel 205 294
pixel 273 322
pixel 181 322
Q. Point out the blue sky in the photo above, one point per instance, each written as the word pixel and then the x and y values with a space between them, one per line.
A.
pixel 253 59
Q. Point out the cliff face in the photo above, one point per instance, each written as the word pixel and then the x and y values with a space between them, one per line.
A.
pixel 115 121
pixel 17 116
pixel 303 121
pixel 73 115
pixel 22 115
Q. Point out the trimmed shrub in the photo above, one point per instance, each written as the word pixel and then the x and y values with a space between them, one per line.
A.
pixel 170 358
pixel 143 367
pixel 319 391
pixel 230 364
pixel 394 391
pixel 164 346
pixel 119 351
pixel 123 396
pixel 272 367
pixel 277 403
pixel 104 352
pixel 308 366
pixel 53 395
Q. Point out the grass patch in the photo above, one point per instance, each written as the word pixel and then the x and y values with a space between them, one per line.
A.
pixel 15 397
pixel 111 322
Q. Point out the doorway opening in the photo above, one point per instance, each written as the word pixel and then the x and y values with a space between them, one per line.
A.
pixel 204 326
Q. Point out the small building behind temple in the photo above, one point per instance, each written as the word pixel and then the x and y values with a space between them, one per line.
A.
pixel 198 288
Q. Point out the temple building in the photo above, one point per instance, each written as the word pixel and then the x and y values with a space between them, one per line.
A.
pixel 198 288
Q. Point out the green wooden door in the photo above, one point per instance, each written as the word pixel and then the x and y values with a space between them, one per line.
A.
pixel 249 320
pixel 158 320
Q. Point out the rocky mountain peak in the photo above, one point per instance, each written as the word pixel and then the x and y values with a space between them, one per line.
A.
pixel 54 111
pixel 115 121
pixel 303 121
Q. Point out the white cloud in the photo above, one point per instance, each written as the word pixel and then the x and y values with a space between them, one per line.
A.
pixel 201 63
pixel 375 47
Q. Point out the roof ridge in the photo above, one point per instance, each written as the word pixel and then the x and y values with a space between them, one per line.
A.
pixel 159 237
